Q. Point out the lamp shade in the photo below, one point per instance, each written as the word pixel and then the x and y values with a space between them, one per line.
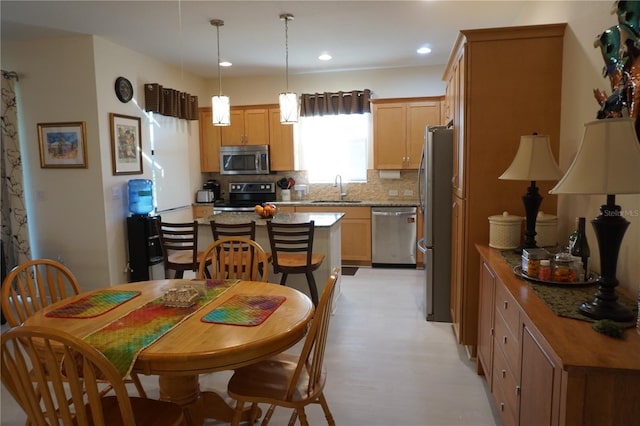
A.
pixel 288 108
pixel 607 162
pixel 220 108
pixel 533 161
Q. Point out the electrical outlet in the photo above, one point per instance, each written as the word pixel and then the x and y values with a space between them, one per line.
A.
pixel 393 192
pixel 408 193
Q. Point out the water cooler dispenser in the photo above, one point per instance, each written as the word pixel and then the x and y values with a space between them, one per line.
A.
pixel 143 231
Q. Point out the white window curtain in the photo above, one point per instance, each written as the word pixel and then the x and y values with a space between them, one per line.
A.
pixel 334 144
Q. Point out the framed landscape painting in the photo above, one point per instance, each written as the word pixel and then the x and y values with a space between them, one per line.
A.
pixel 126 144
pixel 63 145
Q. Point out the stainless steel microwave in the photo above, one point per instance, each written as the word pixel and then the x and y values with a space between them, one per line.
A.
pixel 244 160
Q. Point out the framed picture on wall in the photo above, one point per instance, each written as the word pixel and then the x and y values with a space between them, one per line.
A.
pixel 63 145
pixel 126 144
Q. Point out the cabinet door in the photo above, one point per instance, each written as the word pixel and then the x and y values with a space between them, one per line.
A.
pixel 256 126
pixel 355 231
pixel 209 142
pixel 457 264
pixel 539 383
pixel 389 136
pixel 234 134
pixel 457 107
pixel 419 116
pixel 485 322
pixel 280 142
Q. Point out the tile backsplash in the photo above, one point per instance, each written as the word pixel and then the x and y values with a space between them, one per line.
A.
pixel 375 189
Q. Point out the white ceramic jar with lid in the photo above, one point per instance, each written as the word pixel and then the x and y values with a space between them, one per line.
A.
pixel 504 231
pixel 546 230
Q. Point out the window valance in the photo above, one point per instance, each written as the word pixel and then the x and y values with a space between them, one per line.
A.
pixel 328 103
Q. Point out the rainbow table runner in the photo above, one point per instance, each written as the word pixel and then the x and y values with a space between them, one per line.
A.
pixel 94 304
pixel 123 339
pixel 244 310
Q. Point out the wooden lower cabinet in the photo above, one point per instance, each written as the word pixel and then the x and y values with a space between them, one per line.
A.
pixel 544 369
pixel 356 232
pixel 202 210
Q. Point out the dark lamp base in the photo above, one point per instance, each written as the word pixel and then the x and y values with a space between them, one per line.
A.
pixel 600 309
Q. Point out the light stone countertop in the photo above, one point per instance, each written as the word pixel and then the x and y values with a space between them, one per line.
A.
pixel 321 220
pixel 347 203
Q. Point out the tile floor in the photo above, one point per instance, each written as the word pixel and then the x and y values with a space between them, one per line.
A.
pixel 386 365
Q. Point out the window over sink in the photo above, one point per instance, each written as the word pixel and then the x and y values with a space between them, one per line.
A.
pixel 334 144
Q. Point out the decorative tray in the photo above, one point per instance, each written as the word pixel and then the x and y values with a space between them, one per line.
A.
pixel 518 271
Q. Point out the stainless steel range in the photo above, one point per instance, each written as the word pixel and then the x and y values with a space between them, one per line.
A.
pixel 243 196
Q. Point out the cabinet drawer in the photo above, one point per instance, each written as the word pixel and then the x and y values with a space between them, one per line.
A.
pixel 508 308
pixel 506 342
pixel 505 386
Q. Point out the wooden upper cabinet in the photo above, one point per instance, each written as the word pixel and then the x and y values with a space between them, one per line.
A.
pixel 280 142
pixel 398 130
pixel 210 136
pixel 249 126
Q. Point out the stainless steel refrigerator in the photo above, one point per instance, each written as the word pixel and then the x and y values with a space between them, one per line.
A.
pixel 434 189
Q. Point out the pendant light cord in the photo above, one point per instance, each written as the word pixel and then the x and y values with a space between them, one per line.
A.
pixel 219 74
pixel 286 55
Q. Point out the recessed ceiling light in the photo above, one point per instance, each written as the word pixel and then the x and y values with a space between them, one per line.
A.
pixel 424 50
pixel 225 64
pixel 324 57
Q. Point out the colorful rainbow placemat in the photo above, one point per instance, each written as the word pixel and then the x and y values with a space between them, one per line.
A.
pixel 94 304
pixel 123 339
pixel 244 310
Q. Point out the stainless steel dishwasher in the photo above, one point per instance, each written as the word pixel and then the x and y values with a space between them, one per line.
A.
pixel 393 236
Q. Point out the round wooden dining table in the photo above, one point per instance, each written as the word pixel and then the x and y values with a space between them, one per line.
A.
pixel 194 347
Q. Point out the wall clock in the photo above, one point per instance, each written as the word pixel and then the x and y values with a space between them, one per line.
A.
pixel 124 89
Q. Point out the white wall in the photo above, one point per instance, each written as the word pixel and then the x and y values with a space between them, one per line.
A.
pixel 78 215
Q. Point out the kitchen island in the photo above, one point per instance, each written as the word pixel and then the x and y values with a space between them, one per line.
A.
pixel 326 240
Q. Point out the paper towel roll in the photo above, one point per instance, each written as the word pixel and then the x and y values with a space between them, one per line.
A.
pixel 389 174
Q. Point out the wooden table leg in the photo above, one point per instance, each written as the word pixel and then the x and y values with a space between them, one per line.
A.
pixel 185 391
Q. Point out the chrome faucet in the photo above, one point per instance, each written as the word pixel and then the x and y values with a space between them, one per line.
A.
pixel 338 181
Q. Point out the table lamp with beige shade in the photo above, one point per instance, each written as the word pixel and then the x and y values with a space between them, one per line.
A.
pixel 607 162
pixel 533 162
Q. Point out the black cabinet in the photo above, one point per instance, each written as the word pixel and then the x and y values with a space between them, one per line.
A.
pixel 144 245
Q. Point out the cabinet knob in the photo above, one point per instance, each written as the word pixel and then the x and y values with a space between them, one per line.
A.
pixel 517 390
pixel 504 339
pixel 506 304
pixel 502 406
pixel 504 373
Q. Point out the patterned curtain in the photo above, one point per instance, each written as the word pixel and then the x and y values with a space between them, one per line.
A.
pixel 354 102
pixel 15 232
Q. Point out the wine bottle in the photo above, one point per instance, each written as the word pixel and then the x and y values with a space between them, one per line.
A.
pixel 574 235
pixel 580 248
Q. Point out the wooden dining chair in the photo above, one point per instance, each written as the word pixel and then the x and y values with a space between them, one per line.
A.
pixel 180 247
pixel 246 229
pixel 292 252
pixel 234 257
pixel 36 284
pixel 288 380
pixel 55 377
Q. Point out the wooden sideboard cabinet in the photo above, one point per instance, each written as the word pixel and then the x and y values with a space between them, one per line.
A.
pixel 544 369
pixel 502 83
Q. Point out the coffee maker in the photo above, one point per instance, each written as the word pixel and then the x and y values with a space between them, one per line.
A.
pixel 213 186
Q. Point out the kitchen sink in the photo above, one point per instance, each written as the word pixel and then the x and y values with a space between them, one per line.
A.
pixel 337 201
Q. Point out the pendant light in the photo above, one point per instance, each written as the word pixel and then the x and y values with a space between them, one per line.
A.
pixel 219 104
pixel 288 100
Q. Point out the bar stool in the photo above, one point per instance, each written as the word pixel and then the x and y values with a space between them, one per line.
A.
pixel 246 230
pixel 292 252
pixel 180 247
